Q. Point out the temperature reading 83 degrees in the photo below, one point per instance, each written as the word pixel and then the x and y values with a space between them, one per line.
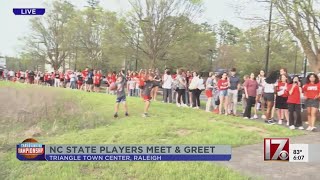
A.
pixel 297 152
pixel 298 155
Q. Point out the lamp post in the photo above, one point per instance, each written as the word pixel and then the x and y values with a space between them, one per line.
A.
pixel 137 51
pixel 38 48
pixel 295 60
pixel 211 58
pixel 269 38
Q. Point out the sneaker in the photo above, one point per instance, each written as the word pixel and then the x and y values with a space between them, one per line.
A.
pixel 270 122
pixel 313 129
pixel 280 122
pixel 292 127
pixel 116 115
pixel 127 114
pixel 263 117
pixel 287 123
pixel 184 105
pixel 255 117
pixel 145 115
pixel 178 105
pixel 301 128
pixel 309 128
pixel 307 123
pixel 245 118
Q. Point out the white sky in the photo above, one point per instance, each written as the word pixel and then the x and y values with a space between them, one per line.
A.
pixel 14 27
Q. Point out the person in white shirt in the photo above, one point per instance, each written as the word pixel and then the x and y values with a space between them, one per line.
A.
pixel 269 95
pixel 196 87
pixel 167 86
pixel 131 87
pixel 73 79
pixel 11 75
pixel 259 100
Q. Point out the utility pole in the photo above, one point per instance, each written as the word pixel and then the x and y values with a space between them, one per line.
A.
pixel 269 39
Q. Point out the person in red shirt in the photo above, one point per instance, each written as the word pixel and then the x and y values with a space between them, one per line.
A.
pixel 282 98
pixel 223 85
pixel 311 92
pixel 294 104
pixel 96 80
pixel 108 83
pixel 114 77
pixel 84 74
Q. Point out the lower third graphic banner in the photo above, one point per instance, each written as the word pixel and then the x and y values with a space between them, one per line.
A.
pixel 31 150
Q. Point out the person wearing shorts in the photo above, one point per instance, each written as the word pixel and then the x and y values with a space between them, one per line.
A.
pixel 282 98
pixel 233 92
pixel 223 85
pixel 146 93
pixel 311 92
pixel 121 96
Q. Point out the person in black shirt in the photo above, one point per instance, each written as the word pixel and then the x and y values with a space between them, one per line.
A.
pixel 146 92
pixel 31 77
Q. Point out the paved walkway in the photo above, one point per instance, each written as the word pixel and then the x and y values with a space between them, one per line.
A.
pixel 248 160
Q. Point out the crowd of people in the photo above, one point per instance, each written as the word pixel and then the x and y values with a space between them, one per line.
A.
pixel 276 93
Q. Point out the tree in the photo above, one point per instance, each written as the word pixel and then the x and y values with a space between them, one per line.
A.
pixel 303 21
pixel 51 31
pixel 159 23
pixel 194 49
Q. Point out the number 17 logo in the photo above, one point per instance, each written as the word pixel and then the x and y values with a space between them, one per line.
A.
pixel 276 149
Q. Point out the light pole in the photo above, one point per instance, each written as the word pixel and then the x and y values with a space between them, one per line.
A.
pixel 295 60
pixel 211 58
pixel 137 51
pixel 269 38
pixel 38 48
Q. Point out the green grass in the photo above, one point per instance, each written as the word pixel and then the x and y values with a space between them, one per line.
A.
pixel 93 124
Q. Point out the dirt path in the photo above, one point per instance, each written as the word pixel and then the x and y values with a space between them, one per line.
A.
pixel 249 161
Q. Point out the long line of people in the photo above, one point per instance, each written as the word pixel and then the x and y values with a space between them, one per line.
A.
pixel 275 93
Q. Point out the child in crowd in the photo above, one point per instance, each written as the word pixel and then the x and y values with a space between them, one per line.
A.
pixel 149 84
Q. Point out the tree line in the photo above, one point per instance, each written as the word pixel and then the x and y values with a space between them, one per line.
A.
pixel 167 33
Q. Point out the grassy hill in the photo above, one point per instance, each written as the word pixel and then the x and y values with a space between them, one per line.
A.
pixel 65 116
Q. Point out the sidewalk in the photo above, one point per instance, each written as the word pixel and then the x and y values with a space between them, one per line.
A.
pixel 248 160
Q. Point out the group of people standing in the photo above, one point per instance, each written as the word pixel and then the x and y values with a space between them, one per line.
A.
pixel 275 94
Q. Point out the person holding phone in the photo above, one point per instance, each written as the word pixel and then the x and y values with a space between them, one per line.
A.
pixel 294 104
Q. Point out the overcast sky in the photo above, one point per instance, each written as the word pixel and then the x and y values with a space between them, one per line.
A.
pixel 14 27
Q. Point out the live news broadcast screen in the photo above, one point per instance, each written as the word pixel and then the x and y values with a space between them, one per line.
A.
pixel 159 89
